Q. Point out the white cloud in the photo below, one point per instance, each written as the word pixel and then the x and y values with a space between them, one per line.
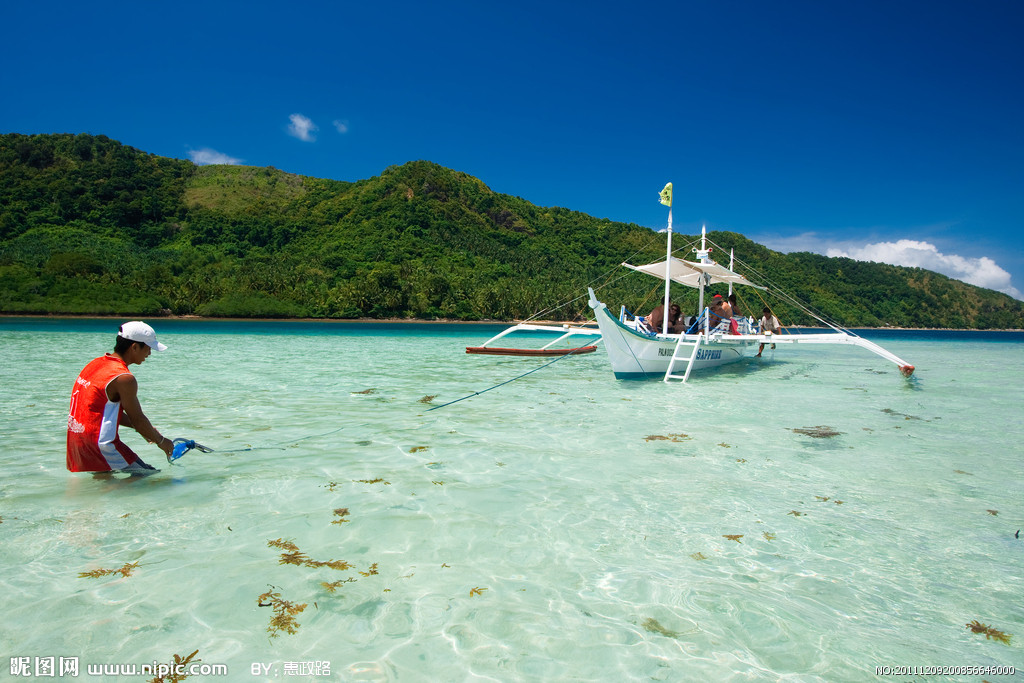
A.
pixel 340 126
pixel 207 156
pixel 982 271
pixel 302 127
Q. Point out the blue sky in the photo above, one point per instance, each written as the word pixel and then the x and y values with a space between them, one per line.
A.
pixel 890 131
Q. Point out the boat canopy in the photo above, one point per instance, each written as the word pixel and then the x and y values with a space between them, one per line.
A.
pixel 690 273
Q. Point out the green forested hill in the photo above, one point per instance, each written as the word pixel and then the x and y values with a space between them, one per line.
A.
pixel 90 226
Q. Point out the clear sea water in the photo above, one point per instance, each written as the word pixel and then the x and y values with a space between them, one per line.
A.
pixel 536 532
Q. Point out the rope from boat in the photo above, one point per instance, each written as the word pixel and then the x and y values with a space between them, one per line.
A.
pixel 787 298
pixel 283 444
pixel 607 276
pixel 508 381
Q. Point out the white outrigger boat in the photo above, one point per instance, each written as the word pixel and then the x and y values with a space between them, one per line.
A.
pixel 709 342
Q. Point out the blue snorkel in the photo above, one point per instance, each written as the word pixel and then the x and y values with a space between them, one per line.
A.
pixel 183 446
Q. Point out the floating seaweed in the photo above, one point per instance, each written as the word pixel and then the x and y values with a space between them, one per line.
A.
pixel 437 483
pixel 990 633
pixel 428 399
pixel 371 570
pixel 962 472
pixel 818 432
pixel 741 459
pixel 768 536
pixel 340 565
pixel 297 558
pixel 378 480
pixel 445 565
pixel 300 559
pixel 476 591
pixel 331 485
pixel 677 438
pixel 796 513
pixel 698 556
pixel 499 463
pixel 284 613
pixel 334 585
pixel 283 545
pixel 651 625
pixel 417 449
pixel 341 514
pixel 724 445
pixel 733 537
pixel 366 391
pixel 823 499
pixel 124 570
pixel 992 512
pixel 180 664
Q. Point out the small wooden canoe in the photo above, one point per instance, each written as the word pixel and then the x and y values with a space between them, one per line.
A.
pixel 499 351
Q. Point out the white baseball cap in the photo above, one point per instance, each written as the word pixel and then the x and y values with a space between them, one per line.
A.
pixel 138 331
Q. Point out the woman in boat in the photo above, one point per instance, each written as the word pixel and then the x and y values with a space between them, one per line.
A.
pixel 656 319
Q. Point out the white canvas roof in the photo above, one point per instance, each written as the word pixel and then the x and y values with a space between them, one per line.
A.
pixel 689 273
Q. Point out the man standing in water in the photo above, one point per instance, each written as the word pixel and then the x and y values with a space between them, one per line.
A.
pixel 105 396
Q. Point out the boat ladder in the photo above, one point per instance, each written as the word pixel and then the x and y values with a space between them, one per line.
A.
pixel 677 357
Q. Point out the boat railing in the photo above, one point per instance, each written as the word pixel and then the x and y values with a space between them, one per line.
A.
pixel 710 323
pixel 636 322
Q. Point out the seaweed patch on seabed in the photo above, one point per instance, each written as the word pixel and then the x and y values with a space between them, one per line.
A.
pixel 890 411
pixel 818 432
pixel 990 633
pixel 677 438
pixel 378 480
pixel 652 625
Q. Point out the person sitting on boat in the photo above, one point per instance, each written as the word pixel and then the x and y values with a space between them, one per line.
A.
pixel 656 319
pixel 721 315
pixel 769 325
pixel 734 306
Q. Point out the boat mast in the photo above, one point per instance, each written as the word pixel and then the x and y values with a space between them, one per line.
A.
pixel 732 258
pixel 666 198
pixel 702 256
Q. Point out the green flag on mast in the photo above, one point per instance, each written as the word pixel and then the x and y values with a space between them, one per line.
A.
pixel 666 195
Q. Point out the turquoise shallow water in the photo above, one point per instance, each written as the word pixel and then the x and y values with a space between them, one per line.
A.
pixel 597 552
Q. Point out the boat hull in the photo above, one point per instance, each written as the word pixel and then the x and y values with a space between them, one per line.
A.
pixel 634 355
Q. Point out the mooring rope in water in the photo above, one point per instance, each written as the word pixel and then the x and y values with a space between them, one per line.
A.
pixel 186 445
pixel 477 393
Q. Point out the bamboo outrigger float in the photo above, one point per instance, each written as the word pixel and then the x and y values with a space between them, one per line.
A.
pixel 546 350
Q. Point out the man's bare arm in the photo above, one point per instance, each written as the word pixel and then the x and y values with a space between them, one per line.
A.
pixel 126 389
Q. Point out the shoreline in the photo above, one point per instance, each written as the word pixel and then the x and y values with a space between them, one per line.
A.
pixel 439 321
